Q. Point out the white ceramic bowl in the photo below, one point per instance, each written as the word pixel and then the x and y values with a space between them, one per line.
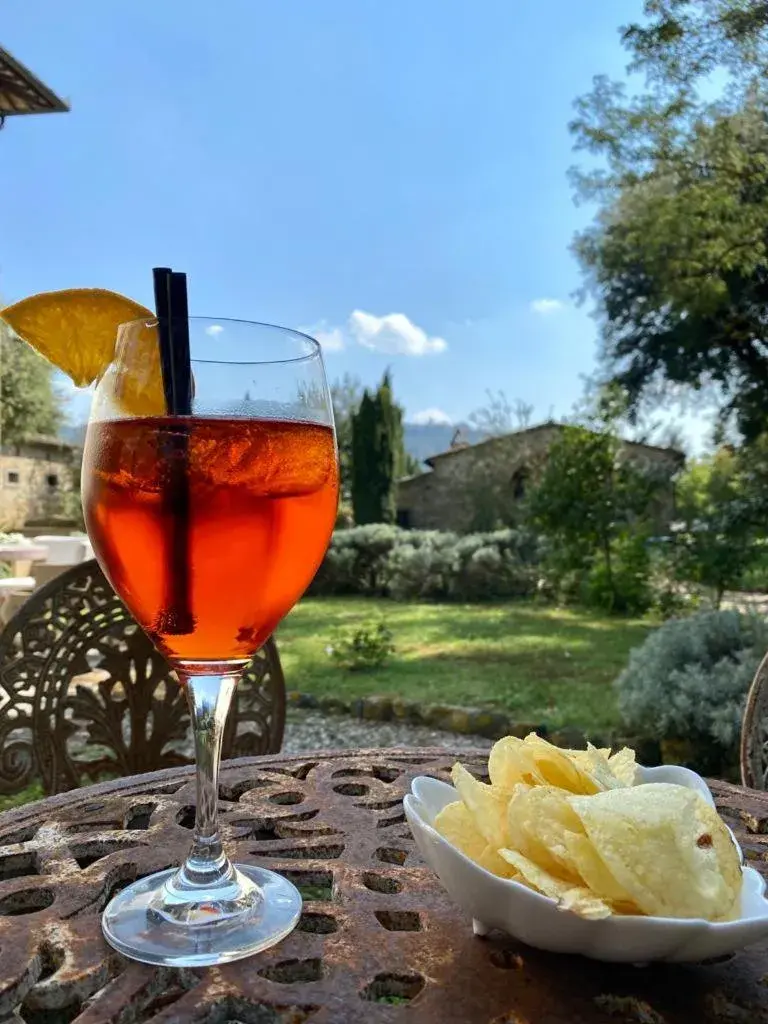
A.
pixel 494 902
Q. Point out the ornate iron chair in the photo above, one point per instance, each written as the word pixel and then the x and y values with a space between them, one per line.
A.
pixel 754 731
pixel 126 713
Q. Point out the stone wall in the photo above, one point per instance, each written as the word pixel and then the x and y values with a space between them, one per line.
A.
pixel 33 482
pixel 444 498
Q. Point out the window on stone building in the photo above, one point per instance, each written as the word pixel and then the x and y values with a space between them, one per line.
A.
pixel 404 518
pixel 12 477
pixel 52 480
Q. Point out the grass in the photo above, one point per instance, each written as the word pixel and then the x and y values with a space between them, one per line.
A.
pixel 24 796
pixel 539 664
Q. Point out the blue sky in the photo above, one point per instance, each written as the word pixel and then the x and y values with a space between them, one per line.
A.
pixel 391 175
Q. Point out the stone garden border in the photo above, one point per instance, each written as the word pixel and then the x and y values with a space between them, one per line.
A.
pixel 491 725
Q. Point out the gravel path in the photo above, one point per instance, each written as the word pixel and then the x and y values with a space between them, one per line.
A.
pixel 309 730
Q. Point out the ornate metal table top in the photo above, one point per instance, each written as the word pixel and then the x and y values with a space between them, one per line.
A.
pixel 379 939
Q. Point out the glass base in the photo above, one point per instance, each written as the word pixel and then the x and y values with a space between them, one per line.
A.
pixel 148 922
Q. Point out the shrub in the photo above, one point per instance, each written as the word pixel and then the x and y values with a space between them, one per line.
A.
pixel 627 589
pixel 362 647
pixel 626 586
pixel 336 574
pixel 429 564
pixel 756 576
pixel 356 561
pixel 495 565
pixel 688 681
pixel 421 571
pixel 12 538
pixel 671 602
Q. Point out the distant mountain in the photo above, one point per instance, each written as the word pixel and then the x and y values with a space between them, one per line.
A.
pixel 421 439
pixel 425 439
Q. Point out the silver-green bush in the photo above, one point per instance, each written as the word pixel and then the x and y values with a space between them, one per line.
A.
pixel 689 680
pixel 423 571
pixel 429 564
pixel 356 560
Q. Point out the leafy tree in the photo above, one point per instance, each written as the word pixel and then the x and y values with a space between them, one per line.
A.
pixel 684 41
pixel 677 257
pixel 588 498
pixel 715 544
pixel 28 403
pixel 753 476
pixel 378 456
pixel 346 394
pixel 575 502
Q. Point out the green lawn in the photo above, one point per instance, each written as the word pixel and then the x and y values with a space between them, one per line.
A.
pixel 539 664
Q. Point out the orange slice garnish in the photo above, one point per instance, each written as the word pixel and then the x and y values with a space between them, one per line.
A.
pixel 76 330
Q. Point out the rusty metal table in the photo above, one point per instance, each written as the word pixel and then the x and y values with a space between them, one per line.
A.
pixel 379 940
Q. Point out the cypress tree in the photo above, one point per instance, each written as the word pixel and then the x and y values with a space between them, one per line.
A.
pixel 365 505
pixel 378 457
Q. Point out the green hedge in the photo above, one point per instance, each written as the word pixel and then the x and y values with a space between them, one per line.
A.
pixel 386 561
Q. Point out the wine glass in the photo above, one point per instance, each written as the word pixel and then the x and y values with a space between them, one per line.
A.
pixel 210 526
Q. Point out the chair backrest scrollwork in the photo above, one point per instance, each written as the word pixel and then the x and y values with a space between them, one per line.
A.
pixel 754 731
pixel 84 695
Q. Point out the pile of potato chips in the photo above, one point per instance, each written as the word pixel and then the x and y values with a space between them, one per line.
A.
pixel 575 826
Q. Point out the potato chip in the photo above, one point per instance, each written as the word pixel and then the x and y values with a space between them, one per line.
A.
pixel 581 757
pixel 666 847
pixel 508 763
pixel 538 819
pixel 569 896
pixel 537 762
pixel 457 825
pixel 555 768
pixel 624 766
pixel 599 769
pixel 487 806
pixel 595 875
pixel 493 862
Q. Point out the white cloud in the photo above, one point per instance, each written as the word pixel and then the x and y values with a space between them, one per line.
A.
pixel 394 334
pixel 544 307
pixel 331 338
pixel 431 416
pixel 214 329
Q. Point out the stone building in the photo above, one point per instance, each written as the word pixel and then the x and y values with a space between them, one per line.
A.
pixel 445 496
pixel 35 478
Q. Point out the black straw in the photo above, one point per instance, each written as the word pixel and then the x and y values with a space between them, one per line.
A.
pixel 181 369
pixel 173 333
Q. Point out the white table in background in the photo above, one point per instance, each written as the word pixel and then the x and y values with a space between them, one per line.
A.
pixel 16 553
pixel 15 589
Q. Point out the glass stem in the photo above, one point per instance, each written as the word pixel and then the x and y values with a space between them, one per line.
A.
pixel 209 697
